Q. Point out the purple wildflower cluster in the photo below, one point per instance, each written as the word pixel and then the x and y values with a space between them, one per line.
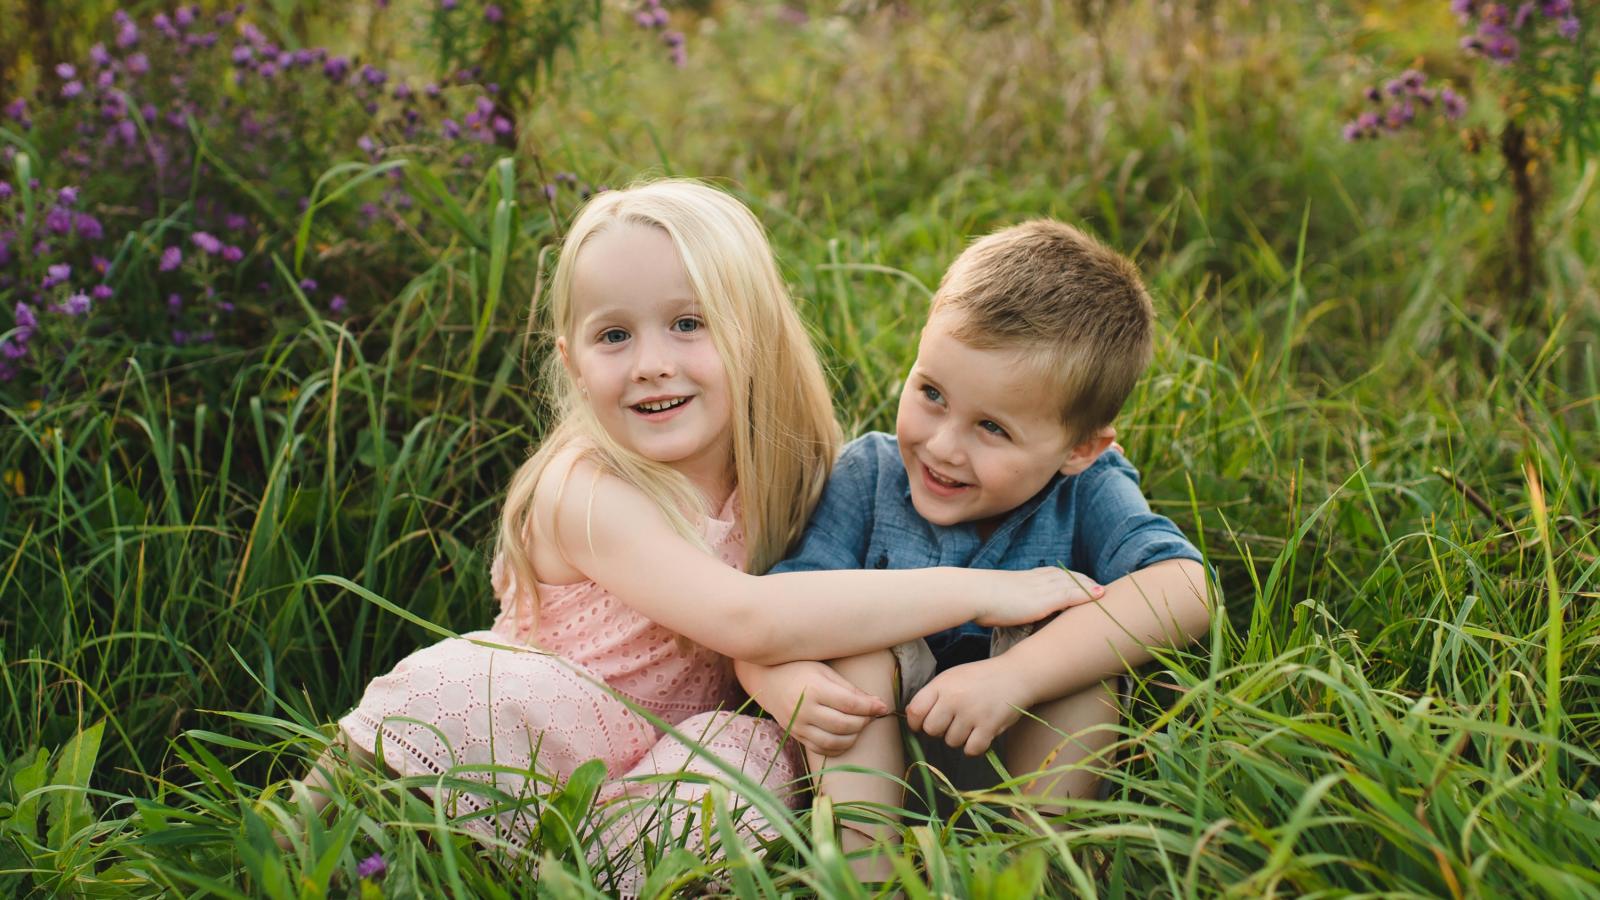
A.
pixel 652 16
pixel 120 128
pixel 1499 29
pixel 31 247
pixel 1397 104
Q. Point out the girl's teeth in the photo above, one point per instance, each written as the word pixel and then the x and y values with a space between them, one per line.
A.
pixel 660 405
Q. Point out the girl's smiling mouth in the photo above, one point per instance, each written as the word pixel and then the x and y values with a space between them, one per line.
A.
pixel 658 408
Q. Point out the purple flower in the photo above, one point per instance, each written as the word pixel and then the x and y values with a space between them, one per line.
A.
pixel 242 53
pixel 367 145
pixel 105 79
pixel 184 15
pixel 502 125
pixel 58 220
pixel 232 254
pixel 102 292
pixel 224 306
pixel 54 275
pixel 308 285
pixel 1454 105
pixel 138 64
pixel 174 303
pixel 5 190
pixel 336 68
pixel 450 129
pixel 67 71
pixel 71 89
pixel 67 195
pixel 373 75
pixel 76 305
pixel 16 347
pixel 493 14
pixel 1568 28
pixel 447 5
pixel 17 109
pixel 205 241
pixel 127 34
pixel 26 320
pixel 371 867
pixel 1555 8
pixel 171 258
pixel 98 55
pixel 87 227
pixel 661 17
pixel 402 91
pixel 336 305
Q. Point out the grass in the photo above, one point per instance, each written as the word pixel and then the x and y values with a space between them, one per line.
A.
pixel 1388 461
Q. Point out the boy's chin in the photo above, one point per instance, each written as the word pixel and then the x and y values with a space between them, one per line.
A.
pixel 936 513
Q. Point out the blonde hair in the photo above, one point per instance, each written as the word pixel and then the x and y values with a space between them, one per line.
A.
pixel 1075 305
pixel 784 434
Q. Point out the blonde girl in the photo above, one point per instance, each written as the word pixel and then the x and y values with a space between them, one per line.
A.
pixel 694 436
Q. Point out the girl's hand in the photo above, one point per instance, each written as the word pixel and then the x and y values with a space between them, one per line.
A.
pixel 1022 597
pixel 821 710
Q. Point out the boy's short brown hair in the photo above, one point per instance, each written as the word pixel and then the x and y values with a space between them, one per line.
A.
pixel 1076 305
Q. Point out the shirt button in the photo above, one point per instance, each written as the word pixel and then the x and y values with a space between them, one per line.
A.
pixel 883 561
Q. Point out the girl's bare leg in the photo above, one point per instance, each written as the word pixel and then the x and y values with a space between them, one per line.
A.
pixel 878 747
pixel 317 786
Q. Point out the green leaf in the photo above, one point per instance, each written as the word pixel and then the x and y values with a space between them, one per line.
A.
pixel 29 778
pixel 69 809
pixel 570 805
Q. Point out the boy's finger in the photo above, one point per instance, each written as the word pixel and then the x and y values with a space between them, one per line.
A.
pixel 917 709
pixel 977 742
pixel 937 720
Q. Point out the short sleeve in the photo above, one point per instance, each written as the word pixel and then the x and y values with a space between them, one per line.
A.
pixel 836 535
pixel 1117 533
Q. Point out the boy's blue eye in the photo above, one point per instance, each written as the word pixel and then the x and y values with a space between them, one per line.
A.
pixel 687 325
pixel 613 336
pixel 992 427
pixel 932 393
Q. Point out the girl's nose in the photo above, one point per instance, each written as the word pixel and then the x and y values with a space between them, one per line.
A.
pixel 654 361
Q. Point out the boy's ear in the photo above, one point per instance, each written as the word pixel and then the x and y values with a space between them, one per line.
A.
pixel 1086 451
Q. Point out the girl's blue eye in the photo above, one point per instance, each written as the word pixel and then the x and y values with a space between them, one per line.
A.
pixel 932 393
pixel 613 336
pixel 687 325
pixel 992 427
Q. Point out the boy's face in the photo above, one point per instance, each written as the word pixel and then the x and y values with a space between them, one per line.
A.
pixel 978 433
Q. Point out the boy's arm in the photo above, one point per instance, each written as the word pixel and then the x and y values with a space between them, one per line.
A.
pixel 1162 605
pixel 1155 597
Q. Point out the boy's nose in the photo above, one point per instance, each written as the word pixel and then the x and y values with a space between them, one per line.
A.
pixel 944 446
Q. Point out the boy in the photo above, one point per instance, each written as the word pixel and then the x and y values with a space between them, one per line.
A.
pixel 1001 458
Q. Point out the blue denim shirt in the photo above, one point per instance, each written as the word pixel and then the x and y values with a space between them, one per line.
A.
pixel 1096 522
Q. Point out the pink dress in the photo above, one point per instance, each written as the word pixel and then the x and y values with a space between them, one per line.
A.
pixel 461 704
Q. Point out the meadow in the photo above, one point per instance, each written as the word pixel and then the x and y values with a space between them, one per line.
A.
pixel 1382 439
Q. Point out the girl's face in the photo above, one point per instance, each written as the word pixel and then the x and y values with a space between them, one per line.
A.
pixel 641 354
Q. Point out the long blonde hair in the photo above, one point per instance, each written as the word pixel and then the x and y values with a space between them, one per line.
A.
pixel 784 434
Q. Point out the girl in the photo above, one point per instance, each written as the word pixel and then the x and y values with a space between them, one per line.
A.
pixel 694 436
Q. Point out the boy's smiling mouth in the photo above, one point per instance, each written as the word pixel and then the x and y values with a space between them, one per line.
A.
pixel 940 485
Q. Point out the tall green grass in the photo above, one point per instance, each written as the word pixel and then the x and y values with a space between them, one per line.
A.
pixel 1396 486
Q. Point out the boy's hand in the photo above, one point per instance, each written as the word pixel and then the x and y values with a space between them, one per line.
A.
pixel 821 709
pixel 1022 597
pixel 970 705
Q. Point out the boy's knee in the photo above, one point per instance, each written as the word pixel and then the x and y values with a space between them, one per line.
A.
pixel 873 672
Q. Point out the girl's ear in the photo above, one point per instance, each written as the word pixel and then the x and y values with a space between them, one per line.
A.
pixel 1086 451
pixel 566 362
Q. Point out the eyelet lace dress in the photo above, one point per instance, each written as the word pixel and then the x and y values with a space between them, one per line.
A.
pixel 492 714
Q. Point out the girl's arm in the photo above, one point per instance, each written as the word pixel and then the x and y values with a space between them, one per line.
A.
pixel 615 535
